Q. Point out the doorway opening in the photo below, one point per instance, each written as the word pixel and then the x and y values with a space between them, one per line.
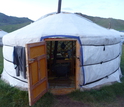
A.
pixel 61 63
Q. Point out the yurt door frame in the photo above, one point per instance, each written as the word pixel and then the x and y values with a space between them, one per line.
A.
pixel 37 74
pixel 77 64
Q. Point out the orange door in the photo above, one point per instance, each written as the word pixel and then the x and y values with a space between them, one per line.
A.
pixel 36 71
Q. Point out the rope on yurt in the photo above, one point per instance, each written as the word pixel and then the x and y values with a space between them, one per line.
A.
pixel 7 60
pixel 100 45
pixel 101 78
pixel 14 77
pixel 8 45
pixel 102 61
pixel 81 51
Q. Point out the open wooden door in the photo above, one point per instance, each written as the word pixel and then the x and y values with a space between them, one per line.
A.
pixel 36 71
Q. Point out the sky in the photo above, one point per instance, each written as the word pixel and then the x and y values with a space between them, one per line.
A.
pixel 34 9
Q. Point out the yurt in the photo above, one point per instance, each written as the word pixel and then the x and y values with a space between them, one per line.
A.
pixel 61 52
pixel 2 33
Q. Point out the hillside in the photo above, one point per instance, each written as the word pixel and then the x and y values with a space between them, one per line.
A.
pixel 105 22
pixel 10 23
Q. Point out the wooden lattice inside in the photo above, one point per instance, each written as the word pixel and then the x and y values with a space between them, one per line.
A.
pixel 69 46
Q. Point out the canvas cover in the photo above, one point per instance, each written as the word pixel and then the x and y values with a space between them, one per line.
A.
pixel 100 48
pixel 119 33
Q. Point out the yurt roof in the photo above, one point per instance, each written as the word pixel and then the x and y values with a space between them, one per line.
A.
pixel 118 32
pixel 2 33
pixel 61 24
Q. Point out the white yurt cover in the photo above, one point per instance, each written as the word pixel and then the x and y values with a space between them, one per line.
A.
pixel 100 48
pixel 119 33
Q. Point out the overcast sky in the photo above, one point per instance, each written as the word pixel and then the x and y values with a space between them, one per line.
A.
pixel 34 9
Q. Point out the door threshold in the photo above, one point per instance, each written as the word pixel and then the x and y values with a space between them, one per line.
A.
pixel 61 91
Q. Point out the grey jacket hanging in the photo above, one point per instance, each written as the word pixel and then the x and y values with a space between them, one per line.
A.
pixel 19 60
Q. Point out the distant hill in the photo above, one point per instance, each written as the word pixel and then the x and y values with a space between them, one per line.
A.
pixel 10 23
pixel 105 22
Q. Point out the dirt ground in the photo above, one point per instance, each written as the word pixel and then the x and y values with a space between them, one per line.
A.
pixel 66 101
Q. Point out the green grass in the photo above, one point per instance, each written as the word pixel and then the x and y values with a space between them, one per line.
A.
pixel 104 94
pixel 1 60
pixel 108 96
pixel 12 97
pixel 122 61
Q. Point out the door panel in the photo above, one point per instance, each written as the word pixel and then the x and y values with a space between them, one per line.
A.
pixel 37 51
pixel 43 68
pixel 38 89
pixel 36 70
pixel 34 75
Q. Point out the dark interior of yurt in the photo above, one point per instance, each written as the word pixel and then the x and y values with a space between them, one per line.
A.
pixel 61 63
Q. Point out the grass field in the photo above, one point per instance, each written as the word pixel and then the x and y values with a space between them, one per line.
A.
pixel 108 96
pixel 1 60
